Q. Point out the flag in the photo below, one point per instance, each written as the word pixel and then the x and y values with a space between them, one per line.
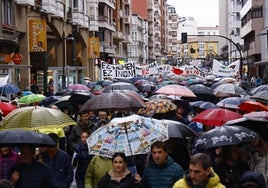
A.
pixel 4 80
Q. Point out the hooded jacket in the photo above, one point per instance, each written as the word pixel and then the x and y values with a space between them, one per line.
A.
pixel 186 182
pixel 155 176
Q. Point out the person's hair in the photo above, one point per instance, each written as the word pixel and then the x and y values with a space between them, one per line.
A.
pixel 202 159
pixel 54 137
pixel 119 154
pixel 82 112
pixel 159 144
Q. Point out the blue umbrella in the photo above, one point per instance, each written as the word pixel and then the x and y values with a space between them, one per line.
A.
pixel 9 89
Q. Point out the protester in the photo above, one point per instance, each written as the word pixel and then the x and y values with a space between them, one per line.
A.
pixel 8 159
pixel 200 174
pixel 59 163
pixel 162 170
pixel 258 81
pixel 96 169
pixel 82 126
pixel 81 160
pixel 34 87
pixel 181 116
pixel 30 173
pixel 119 175
pixel 230 167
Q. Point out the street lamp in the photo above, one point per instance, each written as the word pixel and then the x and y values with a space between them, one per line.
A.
pixel 64 57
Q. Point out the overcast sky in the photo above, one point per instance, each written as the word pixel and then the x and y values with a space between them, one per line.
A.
pixel 206 12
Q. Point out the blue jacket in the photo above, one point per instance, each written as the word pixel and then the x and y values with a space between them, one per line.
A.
pixel 164 176
pixel 61 167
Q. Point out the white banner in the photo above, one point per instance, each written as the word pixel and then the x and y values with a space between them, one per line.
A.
pixel 231 70
pixel 150 69
pixel 126 70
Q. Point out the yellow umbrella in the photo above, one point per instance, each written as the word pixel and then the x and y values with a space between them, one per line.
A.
pixel 36 117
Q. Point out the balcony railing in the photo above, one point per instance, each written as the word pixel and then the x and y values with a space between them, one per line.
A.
pixel 26 2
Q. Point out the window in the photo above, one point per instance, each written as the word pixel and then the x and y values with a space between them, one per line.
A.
pixel 7 12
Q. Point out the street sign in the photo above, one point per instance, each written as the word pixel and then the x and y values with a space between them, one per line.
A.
pixel 16 58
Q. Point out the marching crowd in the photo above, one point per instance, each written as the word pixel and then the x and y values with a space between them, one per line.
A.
pixel 168 164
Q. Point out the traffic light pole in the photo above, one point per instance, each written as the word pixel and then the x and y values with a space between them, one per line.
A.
pixel 238 48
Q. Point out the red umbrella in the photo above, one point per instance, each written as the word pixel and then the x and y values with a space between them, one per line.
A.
pixel 250 106
pixel 7 107
pixel 216 117
pixel 176 90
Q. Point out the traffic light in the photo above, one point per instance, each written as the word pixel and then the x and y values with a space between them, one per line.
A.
pixel 183 37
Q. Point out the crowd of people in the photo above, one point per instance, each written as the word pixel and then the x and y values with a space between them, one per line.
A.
pixel 168 164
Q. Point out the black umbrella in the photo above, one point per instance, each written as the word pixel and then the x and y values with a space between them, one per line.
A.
pixel 178 129
pixel 202 92
pixel 259 88
pixel 261 96
pixel 259 125
pixel 115 100
pixel 225 135
pixel 17 137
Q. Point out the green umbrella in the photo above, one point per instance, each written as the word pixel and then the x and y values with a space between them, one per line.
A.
pixel 36 117
pixel 33 98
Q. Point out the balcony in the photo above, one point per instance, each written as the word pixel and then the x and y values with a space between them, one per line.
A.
pixel 26 2
pixel 118 36
pixel 127 39
pixel 104 23
pixel 127 20
pixel 94 24
pixel 50 6
pixel 110 3
pixel 77 17
pixel 60 9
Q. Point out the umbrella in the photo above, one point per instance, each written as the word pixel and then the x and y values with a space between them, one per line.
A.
pixel 228 90
pixel 204 104
pixel 7 107
pixel 176 90
pixel 261 96
pixel 115 100
pixel 157 106
pixel 4 99
pixel 17 137
pixel 33 98
pixel 178 130
pixel 49 100
pixel 24 93
pixel 120 86
pixel 35 117
pixel 78 87
pixel 231 102
pixel 216 117
pixel 259 125
pixel 250 106
pixel 257 115
pixel 202 92
pixel 132 135
pixel 9 89
pixel 259 88
pixel 225 135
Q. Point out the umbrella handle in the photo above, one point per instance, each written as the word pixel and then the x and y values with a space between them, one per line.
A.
pixel 130 149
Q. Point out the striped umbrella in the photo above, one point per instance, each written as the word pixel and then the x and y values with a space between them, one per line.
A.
pixel 36 117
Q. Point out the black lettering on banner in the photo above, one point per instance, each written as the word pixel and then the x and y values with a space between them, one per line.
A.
pixel 124 73
pixel 107 73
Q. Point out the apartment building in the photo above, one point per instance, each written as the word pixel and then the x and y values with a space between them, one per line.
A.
pixel 252 24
